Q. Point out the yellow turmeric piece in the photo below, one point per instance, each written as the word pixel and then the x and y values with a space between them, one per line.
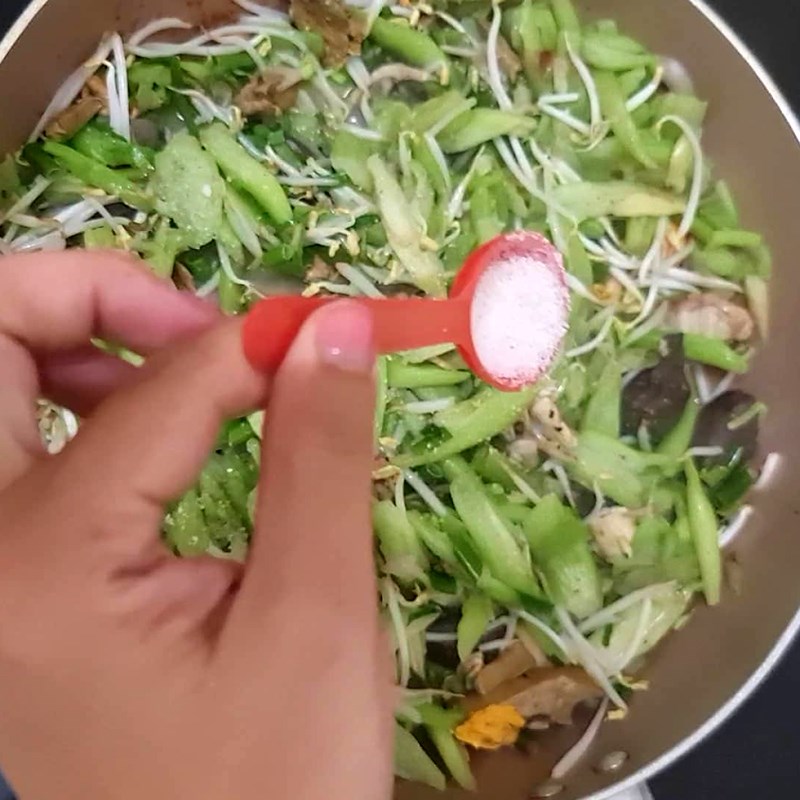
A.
pixel 491 728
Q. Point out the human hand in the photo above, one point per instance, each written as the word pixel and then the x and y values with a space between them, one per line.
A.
pixel 125 672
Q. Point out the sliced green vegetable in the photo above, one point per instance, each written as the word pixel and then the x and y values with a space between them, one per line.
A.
pixel 439 108
pixel 96 140
pixel 602 413
pixel 440 724
pixel 185 527
pixel 621 472
pixel 413 376
pixel 398 541
pixel 162 250
pixel 247 173
pixel 666 612
pixel 612 104
pixel 547 28
pixel 714 352
pixel 496 467
pixel 99 238
pixel 93 173
pixel 412 763
pixel 524 29
pixel 616 199
pixel 679 439
pixel 566 17
pixel 470 422
pixel 349 154
pixel 705 533
pixel 477 612
pixel 685 106
pixel 559 544
pixel 431 533
pixel 660 553
pixel 189 189
pixel 492 537
pixel 408 44
pixel 732 262
pixel 727 494
pixel 614 52
pixel 735 237
pixel 149 84
pixel 230 294
pixel 479 125
pixel 718 209
pixel 404 231
pixel 639 233
pixel 381 393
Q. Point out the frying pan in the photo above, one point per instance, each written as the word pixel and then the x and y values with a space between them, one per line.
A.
pixel 699 676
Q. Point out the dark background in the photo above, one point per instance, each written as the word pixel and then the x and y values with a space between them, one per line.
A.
pixel 757 754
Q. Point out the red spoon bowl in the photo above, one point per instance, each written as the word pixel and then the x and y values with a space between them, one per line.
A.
pixel 510 341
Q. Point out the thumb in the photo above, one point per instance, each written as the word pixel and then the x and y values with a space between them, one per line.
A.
pixel 313 536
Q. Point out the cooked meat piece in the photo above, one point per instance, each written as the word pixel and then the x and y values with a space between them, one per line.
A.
pixel 272 91
pixel 384 477
pixel 551 692
pixel 710 314
pixel 554 436
pixel 514 661
pixel 613 530
pixel 72 119
pixel 320 270
pixel 97 86
pixel 525 451
pixel 389 74
pixel 341 28
pixel 533 647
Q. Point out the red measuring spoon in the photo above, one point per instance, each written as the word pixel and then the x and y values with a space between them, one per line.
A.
pixel 507 314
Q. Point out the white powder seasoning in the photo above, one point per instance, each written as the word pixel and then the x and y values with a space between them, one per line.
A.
pixel 519 317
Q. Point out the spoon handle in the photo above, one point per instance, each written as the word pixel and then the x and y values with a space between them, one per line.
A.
pixel 399 324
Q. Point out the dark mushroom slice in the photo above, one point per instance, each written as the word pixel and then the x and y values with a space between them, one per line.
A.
pixel 585 500
pixel 656 397
pixel 144 131
pixel 723 423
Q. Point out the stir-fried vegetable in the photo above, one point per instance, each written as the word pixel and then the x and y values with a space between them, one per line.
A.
pixel 367 148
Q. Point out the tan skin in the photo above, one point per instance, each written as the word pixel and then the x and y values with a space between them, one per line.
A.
pixel 124 672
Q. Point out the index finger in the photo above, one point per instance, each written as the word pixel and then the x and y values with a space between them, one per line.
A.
pixel 60 301
pixel 55 303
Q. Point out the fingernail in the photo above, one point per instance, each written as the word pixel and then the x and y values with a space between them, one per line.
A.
pixel 345 337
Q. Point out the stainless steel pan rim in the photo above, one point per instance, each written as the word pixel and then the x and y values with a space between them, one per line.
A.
pixel 792 630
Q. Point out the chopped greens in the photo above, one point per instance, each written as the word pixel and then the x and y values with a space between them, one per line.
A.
pixel 361 148
pixel 189 190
